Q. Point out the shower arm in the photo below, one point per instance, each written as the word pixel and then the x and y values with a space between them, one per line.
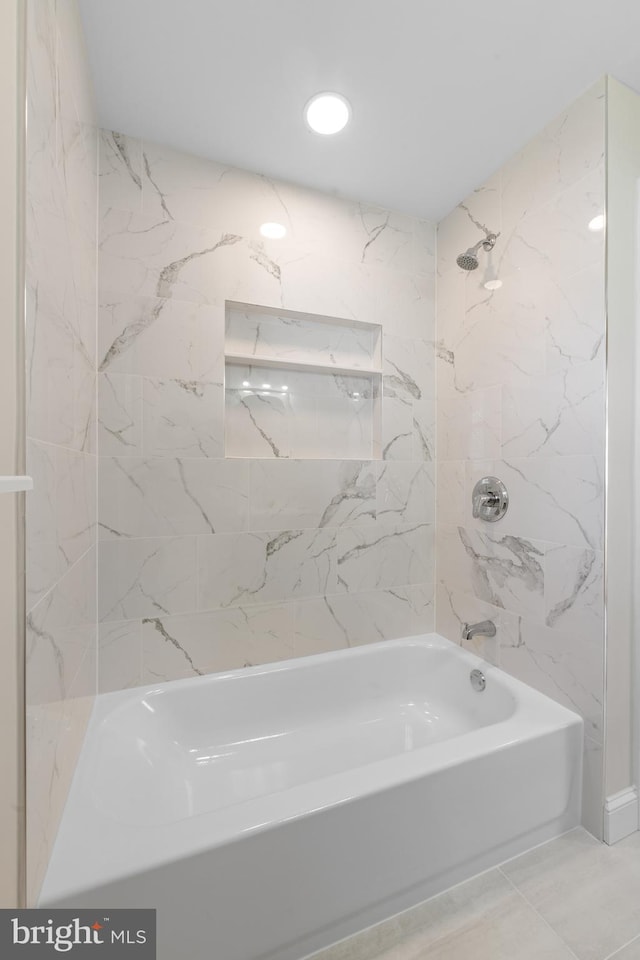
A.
pixel 488 242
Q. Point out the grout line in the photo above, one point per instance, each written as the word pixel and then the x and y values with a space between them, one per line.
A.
pixel 538 914
pixel 615 953
pixel 360 933
pixel 92 546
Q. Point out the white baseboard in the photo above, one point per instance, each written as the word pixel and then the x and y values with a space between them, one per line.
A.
pixel 621 812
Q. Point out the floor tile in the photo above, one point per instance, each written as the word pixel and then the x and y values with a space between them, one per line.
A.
pixel 630 952
pixel 588 892
pixel 363 946
pixel 511 930
pixel 482 919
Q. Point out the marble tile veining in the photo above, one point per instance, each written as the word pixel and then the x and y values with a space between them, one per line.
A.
pixel 300 493
pixel 384 556
pixel 262 335
pixel 521 396
pixel 181 418
pixel 165 496
pixel 147 577
pixel 335 622
pixel 197 643
pixel 250 568
pixel 61 185
pixel 286 493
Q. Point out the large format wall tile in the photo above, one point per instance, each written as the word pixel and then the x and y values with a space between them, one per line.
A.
pixel 521 396
pixel 54 733
pixel 120 655
pixel 182 418
pixel 559 499
pixel 556 236
pixel 246 568
pixel 120 172
pixel 61 518
pixel 274 492
pixel 562 154
pixel 61 628
pixel 198 643
pixel 564 664
pixel 146 577
pixel 163 496
pixel 334 622
pixel 301 493
pixel 177 186
pixel 503 570
pixel 61 354
pixel 384 556
pixel 160 338
pixel 574 588
pixel 405 492
pixel 560 415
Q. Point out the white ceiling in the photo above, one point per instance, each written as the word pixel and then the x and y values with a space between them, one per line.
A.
pixel 442 92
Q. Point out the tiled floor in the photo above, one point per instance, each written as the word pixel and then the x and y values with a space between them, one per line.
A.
pixel 570 898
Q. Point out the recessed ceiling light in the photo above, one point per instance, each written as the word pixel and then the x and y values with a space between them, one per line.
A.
pixel 245 383
pixel 597 223
pixel 285 388
pixel 266 386
pixel 327 113
pixel 274 231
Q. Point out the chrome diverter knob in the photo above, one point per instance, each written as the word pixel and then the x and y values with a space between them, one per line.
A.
pixel 490 499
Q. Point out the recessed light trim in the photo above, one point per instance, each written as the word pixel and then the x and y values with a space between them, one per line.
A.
pixel 273 231
pixel 327 113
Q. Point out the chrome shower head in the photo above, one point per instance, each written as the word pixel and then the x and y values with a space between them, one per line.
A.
pixel 469 259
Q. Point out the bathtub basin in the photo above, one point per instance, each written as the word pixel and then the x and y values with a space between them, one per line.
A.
pixel 268 812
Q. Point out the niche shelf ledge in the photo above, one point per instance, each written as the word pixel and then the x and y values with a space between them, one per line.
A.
pixel 246 360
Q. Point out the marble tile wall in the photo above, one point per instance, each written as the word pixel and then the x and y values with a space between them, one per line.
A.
pixel 61 287
pixel 210 560
pixel 520 381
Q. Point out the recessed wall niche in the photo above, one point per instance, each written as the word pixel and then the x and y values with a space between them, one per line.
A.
pixel 301 385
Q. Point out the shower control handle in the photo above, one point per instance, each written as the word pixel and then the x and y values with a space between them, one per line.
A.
pixel 490 499
pixel 484 500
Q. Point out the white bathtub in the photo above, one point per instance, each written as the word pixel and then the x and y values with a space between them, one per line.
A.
pixel 270 811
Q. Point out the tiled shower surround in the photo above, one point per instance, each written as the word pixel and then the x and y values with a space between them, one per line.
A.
pixel 230 543
pixel 521 395
pixel 209 562
pixel 61 224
